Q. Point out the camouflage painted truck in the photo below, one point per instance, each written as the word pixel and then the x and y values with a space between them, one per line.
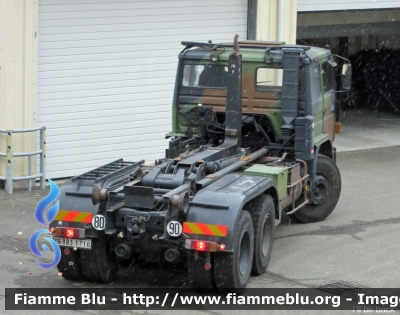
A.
pixel 253 125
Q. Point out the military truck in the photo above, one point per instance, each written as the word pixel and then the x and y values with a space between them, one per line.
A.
pixel 253 125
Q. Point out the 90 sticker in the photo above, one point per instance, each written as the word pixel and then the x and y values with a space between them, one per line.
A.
pixel 174 228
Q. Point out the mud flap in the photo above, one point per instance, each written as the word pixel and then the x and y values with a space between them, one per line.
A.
pixel 221 202
pixel 70 265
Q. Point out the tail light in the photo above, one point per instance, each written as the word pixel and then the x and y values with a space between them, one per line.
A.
pixel 200 245
pixel 70 232
pixel 203 246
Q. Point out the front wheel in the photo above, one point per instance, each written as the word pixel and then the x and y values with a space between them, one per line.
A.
pixel 97 263
pixel 232 270
pixel 325 194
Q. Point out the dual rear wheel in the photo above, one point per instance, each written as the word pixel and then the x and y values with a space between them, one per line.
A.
pixel 96 264
pixel 252 245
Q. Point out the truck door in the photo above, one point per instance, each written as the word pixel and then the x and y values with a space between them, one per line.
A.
pixel 329 98
pixel 316 98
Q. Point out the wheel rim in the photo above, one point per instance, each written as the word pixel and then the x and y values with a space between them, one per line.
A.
pixel 266 237
pixel 244 253
pixel 321 190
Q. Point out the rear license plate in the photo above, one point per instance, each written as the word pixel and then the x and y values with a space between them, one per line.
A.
pixel 71 242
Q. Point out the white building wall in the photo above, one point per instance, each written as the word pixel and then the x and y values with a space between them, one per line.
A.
pixel 18 69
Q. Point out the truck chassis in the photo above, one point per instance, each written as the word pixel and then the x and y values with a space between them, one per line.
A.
pixel 211 202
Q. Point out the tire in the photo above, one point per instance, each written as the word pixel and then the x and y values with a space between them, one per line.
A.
pixel 263 213
pixel 97 264
pixel 200 278
pixel 70 265
pixel 325 195
pixel 232 270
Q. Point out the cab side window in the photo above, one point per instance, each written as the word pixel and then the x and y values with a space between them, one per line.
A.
pixel 327 77
pixel 315 82
pixel 268 79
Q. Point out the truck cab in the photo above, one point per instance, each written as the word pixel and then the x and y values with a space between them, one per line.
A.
pixel 275 91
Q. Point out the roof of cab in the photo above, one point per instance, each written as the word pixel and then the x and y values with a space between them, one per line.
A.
pixel 251 50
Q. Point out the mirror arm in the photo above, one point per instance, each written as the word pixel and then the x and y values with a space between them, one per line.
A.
pixel 340 57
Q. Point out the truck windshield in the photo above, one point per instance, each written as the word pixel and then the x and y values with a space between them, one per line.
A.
pixel 205 76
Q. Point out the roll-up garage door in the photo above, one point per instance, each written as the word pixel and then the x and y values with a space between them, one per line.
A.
pixel 106 74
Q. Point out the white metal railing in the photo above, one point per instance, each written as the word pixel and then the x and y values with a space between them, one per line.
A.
pixel 9 155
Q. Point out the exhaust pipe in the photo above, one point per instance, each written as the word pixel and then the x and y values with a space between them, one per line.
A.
pixel 233 116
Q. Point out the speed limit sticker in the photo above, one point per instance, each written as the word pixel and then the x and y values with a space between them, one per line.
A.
pixel 99 222
pixel 174 228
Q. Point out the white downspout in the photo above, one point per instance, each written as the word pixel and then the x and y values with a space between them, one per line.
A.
pixel 280 20
pixel 280 34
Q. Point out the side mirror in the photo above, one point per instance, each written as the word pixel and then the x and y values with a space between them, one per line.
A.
pixel 346 76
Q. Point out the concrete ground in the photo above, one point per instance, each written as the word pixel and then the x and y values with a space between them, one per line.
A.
pixel 367 130
pixel 359 243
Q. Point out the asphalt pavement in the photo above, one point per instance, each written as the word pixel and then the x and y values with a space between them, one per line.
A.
pixel 359 243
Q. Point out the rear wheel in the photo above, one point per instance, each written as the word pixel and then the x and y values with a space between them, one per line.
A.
pixel 70 264
pixel 97 263
pixel 232 270
pixel 263 214
pixel 200 278
pixel 325 194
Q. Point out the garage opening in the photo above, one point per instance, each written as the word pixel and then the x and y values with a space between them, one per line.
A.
pixel 371 40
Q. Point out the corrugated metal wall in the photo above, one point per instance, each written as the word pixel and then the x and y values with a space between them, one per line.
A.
pixel 106 73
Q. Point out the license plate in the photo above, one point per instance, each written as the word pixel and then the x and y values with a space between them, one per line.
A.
pixel 71 242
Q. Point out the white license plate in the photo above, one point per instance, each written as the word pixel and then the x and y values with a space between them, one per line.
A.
pixel 71 242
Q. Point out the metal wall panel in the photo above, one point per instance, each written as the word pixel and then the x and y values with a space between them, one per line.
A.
pixel 106 73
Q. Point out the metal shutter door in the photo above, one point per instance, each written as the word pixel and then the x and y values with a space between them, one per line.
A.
pixel 106 74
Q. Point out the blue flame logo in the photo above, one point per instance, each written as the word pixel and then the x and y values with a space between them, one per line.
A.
pixel 45 202
pixel 45 220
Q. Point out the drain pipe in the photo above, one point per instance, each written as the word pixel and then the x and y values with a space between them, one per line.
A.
pixel 280 20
